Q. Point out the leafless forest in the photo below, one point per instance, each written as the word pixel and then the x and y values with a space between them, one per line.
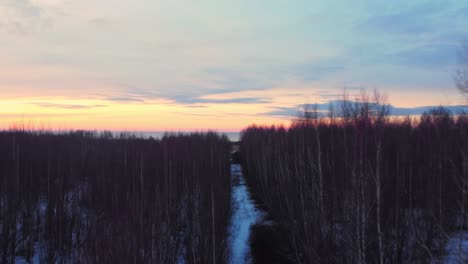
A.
pixel 82 197
pixel 354 186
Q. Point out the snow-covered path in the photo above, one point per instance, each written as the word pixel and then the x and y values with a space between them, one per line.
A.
pixel 244 215
pixel 456 248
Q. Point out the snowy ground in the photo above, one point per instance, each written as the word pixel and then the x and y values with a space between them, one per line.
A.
pixel 244 215
pixel 456 248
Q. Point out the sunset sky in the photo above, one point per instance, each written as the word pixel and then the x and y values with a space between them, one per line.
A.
pixel 186 65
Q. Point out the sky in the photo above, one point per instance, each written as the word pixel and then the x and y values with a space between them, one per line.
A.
pixel 151 65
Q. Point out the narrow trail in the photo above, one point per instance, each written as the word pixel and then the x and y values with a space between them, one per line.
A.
pixel 244 216
pixel 456 249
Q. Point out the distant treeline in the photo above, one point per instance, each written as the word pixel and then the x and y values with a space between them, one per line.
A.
pixel 355 187
pixel 82 197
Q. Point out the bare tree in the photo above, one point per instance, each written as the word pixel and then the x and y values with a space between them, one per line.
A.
pixel 461 75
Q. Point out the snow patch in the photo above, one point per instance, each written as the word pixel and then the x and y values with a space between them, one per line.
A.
pixel 456 249
pixel 244 216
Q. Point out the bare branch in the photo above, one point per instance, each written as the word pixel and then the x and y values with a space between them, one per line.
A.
pixel 461 74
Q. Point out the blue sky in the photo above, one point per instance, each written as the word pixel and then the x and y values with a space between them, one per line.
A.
pixel 229 57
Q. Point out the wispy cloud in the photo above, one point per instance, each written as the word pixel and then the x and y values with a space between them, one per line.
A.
pixel 286 112
pixel 427 56
pixel 317 70
pixel 22 17
pixel 125 99
pixel 409 18
pixel 405 23
pixel 100 23
pixel 241 100
pixel 193 97
pixel 26 116
pixel 66 106
pixel 219 114
pixel 23 7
